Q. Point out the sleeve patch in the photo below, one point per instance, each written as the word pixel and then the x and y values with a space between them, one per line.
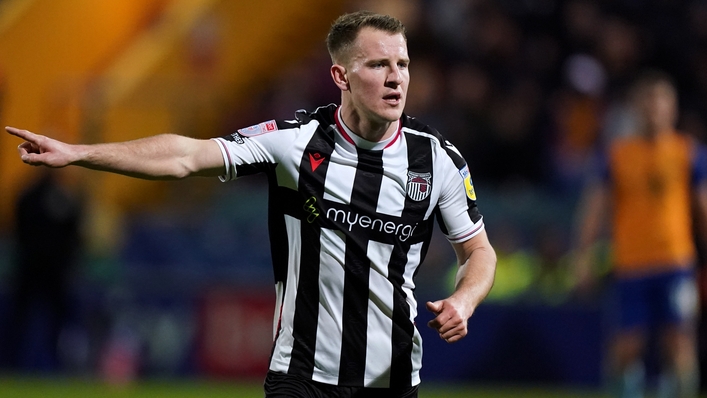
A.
pixel 235 137
pixel 468 184
pixel 259 129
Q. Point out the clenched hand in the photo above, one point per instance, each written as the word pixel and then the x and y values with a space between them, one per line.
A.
pixel 449 322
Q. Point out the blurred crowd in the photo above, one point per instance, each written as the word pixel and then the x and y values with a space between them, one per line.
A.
pixel 526 89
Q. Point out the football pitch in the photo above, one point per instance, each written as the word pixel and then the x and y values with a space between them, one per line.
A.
pixel 29 387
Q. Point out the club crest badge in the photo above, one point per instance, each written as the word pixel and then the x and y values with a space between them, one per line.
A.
pixel 419 185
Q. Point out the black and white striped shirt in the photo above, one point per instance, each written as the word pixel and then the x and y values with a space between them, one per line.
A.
pixel 350 222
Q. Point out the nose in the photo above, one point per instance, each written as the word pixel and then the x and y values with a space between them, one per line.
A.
pixel 395 77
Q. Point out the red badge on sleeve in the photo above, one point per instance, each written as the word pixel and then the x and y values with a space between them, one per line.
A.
pixel 258 129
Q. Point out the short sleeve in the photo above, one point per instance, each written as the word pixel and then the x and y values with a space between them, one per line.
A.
pixel 459 216
pixel 255 149
pixel 699 164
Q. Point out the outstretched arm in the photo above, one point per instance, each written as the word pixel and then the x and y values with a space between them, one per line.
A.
pixel 160 157
pixel 473 282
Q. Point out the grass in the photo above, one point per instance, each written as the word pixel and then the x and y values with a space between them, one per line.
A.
pixel 31 387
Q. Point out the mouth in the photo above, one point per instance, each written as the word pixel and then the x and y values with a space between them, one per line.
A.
pixel 393 98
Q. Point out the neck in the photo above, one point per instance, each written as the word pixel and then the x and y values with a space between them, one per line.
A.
pixel 652 132
pixel 367 129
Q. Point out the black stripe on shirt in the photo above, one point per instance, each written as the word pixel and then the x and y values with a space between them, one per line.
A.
pixel 311 188
pixel 419 161
pixel 364 200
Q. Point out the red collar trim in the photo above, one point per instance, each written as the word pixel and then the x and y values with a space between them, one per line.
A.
pixel 342 130
pixel 397 134
pixel 348 138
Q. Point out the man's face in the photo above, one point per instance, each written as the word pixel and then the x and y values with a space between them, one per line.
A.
pixel 378 77
pixel 658 105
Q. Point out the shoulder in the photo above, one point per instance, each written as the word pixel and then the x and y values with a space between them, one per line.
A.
pixel 696 150
pixel 439 144
pixel 323 115
pixel 689 141
pixel 621 147
pixel 415 126
pixel 623 142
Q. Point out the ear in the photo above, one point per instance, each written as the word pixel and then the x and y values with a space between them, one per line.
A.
pixel 338 73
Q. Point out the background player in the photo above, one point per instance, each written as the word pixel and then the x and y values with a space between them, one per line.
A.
pixel 653 182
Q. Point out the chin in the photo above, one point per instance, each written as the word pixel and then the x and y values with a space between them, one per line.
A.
pixel 391 115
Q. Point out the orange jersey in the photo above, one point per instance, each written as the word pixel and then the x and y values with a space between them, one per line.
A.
pixel 651 183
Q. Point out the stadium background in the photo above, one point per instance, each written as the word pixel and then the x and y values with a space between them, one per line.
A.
pixel 174 281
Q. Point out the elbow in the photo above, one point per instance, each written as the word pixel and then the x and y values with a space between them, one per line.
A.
pixel 181 174
pixel 493 260
pixel 163 174
pixel 182 169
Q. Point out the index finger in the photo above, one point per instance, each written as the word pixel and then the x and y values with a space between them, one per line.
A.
pixel 24 134
pixel 439 320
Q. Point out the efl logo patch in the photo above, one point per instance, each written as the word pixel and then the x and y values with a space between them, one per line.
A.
pixel 258 129
pixel 468 185
pixel 419 185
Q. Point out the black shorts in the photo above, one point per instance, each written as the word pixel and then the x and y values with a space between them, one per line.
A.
pixel 281 385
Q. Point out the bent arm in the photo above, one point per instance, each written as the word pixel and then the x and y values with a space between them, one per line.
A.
pixel 474 279
pixel 699 197
pixel 476 273
pixel 160 157
pixel 593 208
pixel 591 218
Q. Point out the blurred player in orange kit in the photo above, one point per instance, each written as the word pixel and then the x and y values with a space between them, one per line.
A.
pixel 653 184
